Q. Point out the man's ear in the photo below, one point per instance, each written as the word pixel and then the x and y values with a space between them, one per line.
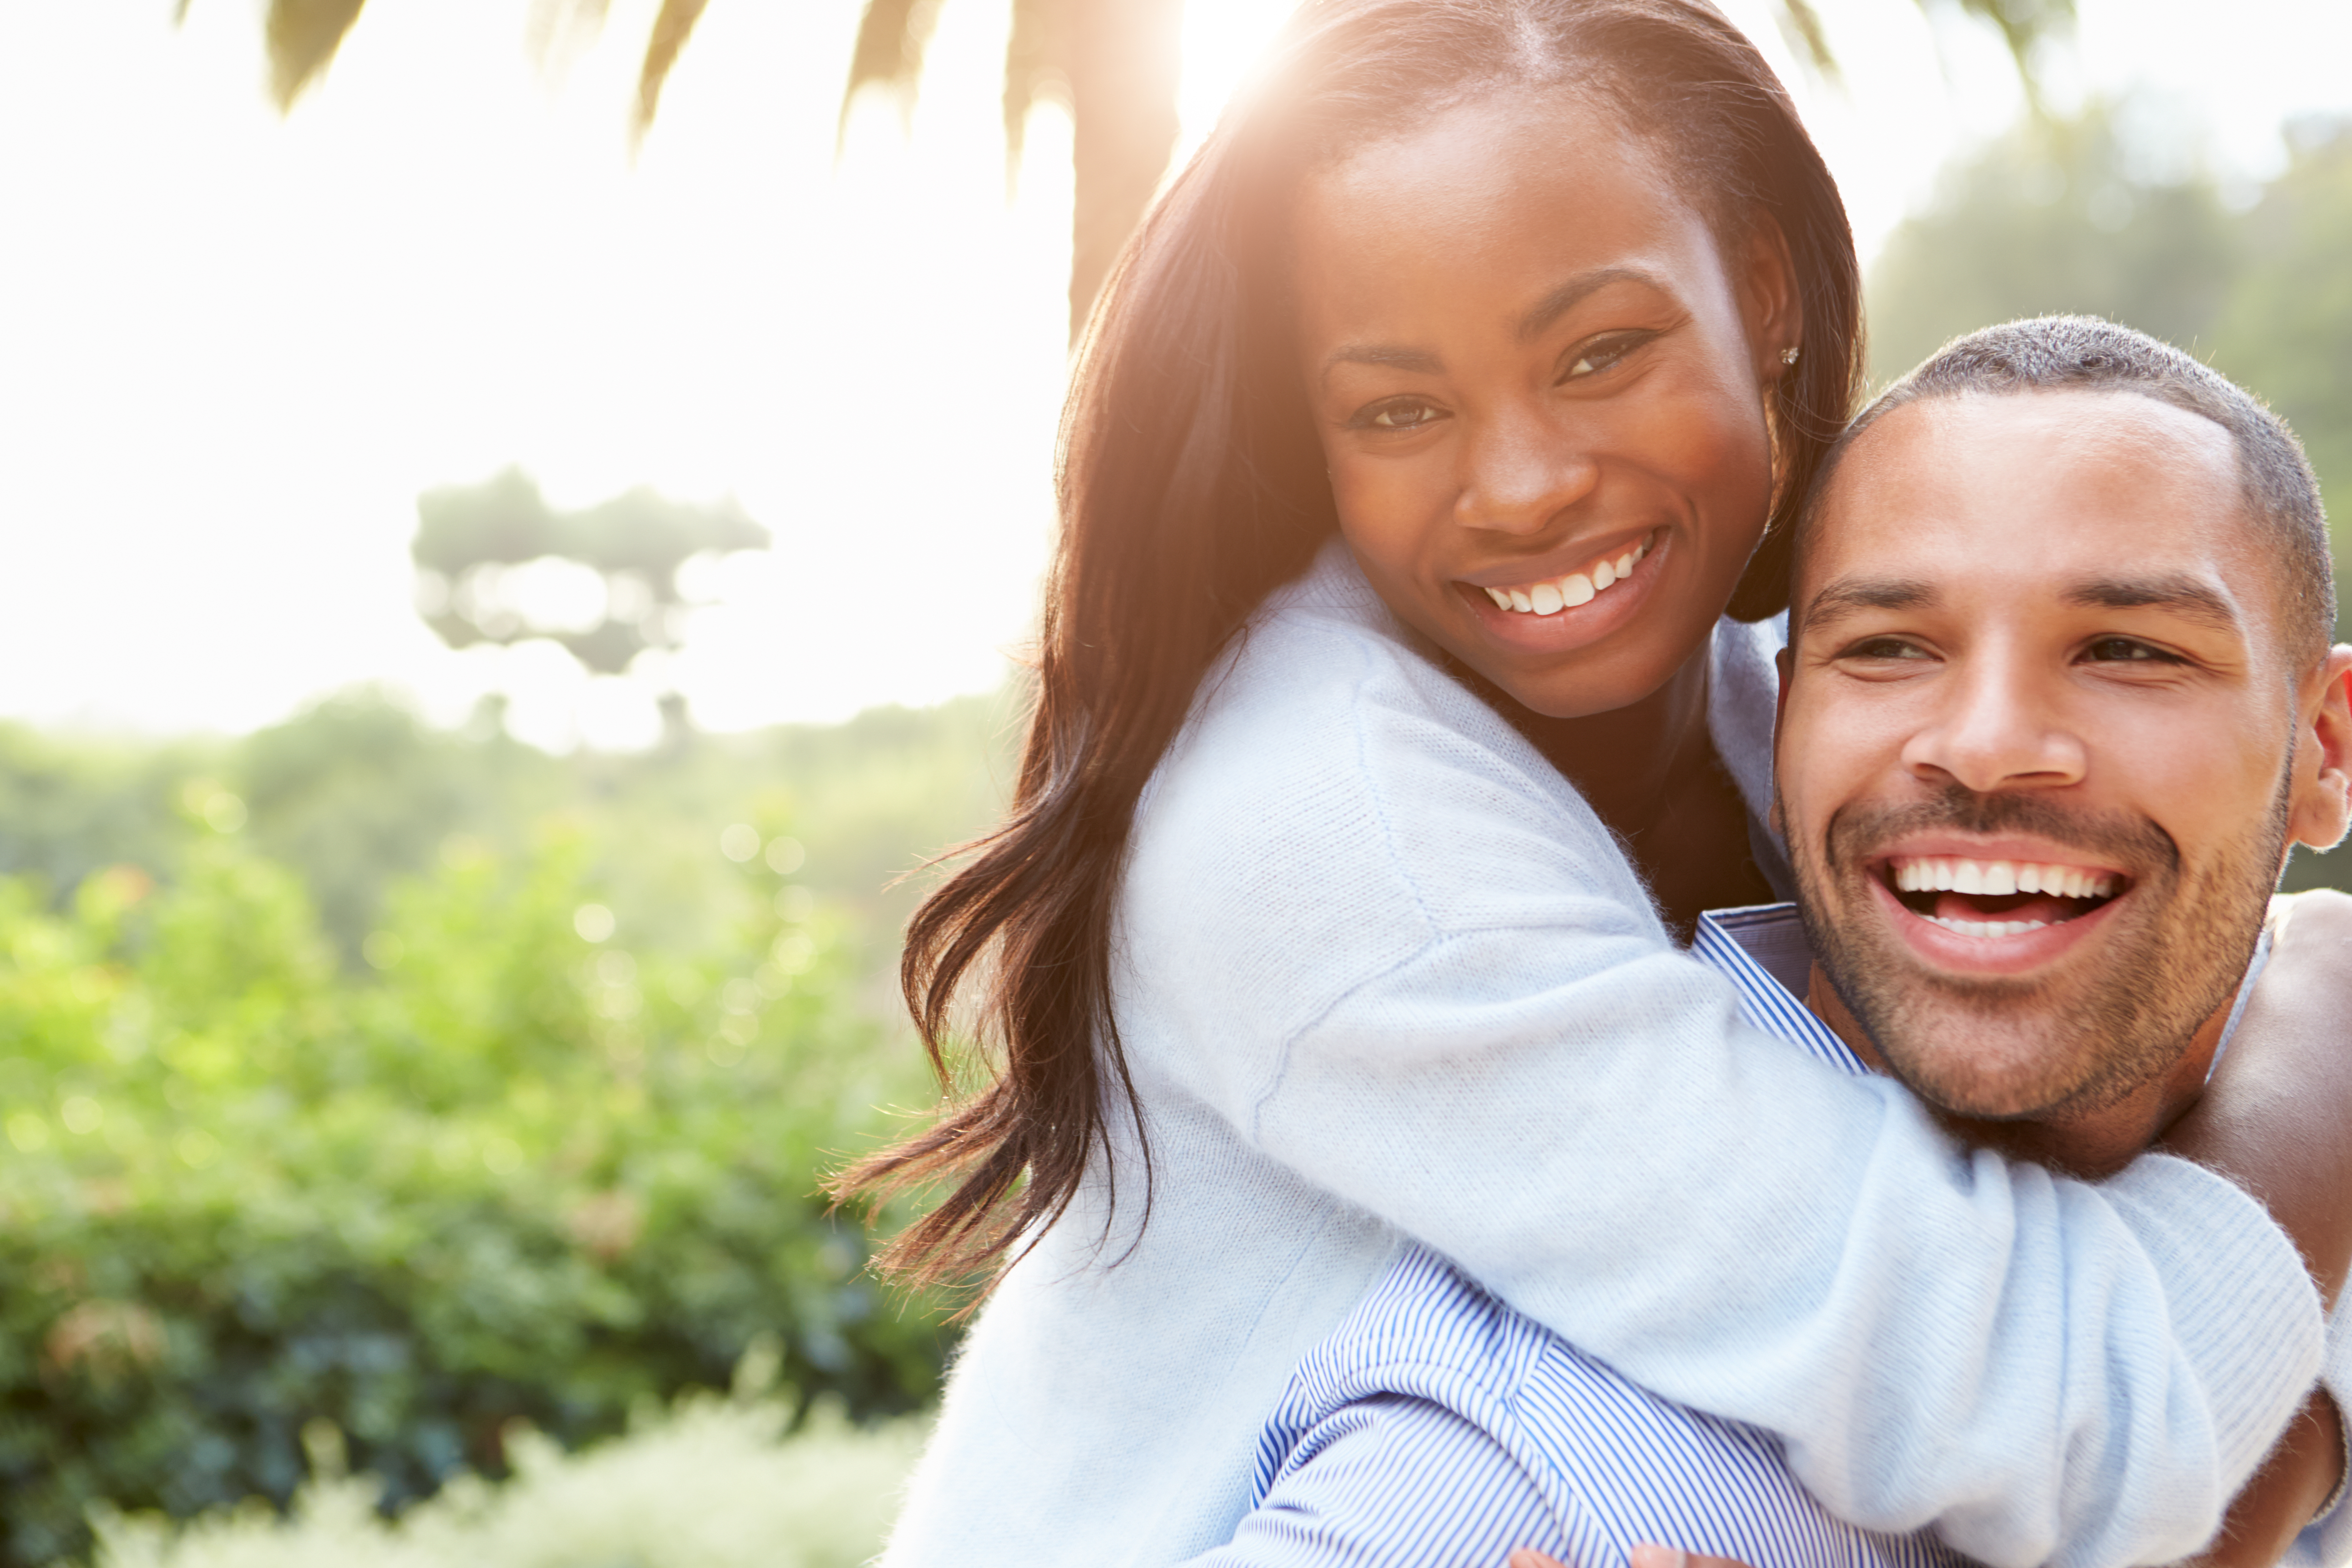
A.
pixel 2323 769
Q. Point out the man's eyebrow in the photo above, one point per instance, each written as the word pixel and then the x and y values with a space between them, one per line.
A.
pixel 2183 596
pixel 1852 595
pixel 1575 291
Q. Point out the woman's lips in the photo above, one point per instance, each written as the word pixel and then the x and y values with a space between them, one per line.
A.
pixel 1570 625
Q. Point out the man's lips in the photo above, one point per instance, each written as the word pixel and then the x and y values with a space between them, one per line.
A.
pixel 1994 906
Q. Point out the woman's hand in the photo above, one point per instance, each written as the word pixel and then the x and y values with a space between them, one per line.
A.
pixel 2277 1117
pixel 1644 1557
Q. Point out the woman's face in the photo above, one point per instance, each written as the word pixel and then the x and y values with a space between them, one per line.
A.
pixel 1540 390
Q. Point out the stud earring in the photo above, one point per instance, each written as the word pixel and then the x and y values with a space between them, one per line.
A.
pixel 1788 355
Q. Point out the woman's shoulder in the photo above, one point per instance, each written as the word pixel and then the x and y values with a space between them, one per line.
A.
pixel 1330 749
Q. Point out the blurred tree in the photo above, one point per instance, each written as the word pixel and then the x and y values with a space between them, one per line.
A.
pixel 2081 215
pixel 2287 329
pixel 495 563
pixel 1114 62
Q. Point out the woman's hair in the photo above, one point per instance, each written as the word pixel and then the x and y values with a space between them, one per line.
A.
pixel 1191 483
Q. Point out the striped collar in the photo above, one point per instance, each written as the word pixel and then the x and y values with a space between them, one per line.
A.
pixel 1763 952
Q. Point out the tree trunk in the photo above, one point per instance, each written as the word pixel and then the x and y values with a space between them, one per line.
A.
pixel 1125 57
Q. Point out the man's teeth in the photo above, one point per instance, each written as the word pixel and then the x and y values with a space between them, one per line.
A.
pixel 1567 593
pixel 1989 928
pixel 1997 877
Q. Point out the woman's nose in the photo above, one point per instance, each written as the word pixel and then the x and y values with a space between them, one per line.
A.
pixel 1518 473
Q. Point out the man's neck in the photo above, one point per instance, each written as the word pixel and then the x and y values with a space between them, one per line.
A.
pixel 2093 1142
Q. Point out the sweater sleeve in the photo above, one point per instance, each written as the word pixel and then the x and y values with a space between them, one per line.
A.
pixel 1403 959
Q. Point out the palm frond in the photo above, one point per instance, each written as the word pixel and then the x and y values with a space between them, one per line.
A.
pixel 2022 26
pixel 1800 25
pixel 672 26
pixel 1037 66
pixel 891 38
pixel 303 35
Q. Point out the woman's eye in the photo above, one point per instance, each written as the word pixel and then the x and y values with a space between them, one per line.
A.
pixel 2128 650
pixel 1603 353
pixel 1401 416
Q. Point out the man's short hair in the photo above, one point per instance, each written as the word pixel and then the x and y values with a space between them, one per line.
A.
pixel 2083 354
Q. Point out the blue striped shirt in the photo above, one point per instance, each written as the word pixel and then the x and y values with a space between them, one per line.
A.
pixel 1437 1428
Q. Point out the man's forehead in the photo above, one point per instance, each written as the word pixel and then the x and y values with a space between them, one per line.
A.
pixel 2040 484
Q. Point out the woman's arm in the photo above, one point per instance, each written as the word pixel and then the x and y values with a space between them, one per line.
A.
pixel 2277 1117
pixel 1386 944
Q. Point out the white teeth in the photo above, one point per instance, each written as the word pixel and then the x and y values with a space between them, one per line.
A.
pixel 1997 879
pixel 1576 588
pixel 1989 928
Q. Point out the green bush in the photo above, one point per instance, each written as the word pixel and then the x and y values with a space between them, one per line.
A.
pixel 511 1171
pixel 714 1484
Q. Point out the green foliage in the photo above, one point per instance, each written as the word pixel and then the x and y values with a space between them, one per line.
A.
pixel 713 1484
pixel 2057 218
pixel 516 1168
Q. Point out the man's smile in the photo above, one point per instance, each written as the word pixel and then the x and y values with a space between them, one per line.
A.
pixel 1993 909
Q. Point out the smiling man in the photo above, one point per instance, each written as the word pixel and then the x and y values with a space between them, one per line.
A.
pixel 2059 700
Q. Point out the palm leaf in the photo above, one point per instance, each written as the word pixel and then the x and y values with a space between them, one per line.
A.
pixel 1801 26
pixel 303 35
pixel 672 26
pixel 891 38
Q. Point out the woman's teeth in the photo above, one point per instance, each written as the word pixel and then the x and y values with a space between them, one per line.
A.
pixel 1576 588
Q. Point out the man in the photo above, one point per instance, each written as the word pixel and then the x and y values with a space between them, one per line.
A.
pixel 2058 701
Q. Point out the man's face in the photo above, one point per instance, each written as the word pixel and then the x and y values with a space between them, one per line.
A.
pixel 2042 745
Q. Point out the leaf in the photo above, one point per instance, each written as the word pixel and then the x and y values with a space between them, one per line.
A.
pixel 672 28
pixel 1037 64
pixel 1801 26
pixel 2023 25
pixel 891 38
pixel 303 35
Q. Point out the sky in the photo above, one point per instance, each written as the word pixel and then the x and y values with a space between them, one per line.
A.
pixel 235 346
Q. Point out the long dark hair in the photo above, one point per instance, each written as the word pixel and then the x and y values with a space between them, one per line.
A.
pixel 1192 484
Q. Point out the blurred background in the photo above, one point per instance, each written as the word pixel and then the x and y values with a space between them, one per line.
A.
pixel 521 518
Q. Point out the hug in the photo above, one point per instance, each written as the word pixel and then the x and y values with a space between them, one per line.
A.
pixel 1453 1093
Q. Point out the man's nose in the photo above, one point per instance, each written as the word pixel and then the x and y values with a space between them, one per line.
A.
pixel 1519 471
pixel 1997 727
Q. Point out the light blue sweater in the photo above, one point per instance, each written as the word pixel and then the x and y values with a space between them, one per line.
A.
pixel 1381 972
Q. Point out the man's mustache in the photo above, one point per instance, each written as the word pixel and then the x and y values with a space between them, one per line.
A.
pixel 2133 843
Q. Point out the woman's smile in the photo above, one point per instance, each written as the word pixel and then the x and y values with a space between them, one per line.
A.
pixel 1533 607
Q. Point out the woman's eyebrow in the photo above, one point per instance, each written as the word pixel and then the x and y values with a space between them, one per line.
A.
pixel 1418 360
pixel 1574 292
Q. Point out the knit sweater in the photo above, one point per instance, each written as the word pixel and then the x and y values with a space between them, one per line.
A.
pixel 1380 973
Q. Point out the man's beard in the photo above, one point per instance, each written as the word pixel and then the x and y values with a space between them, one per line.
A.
pixel 2190 936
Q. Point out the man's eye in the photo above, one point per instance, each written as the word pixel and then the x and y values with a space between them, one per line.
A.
pixel 2128 650
pixel 1400 417
pixel 1884 647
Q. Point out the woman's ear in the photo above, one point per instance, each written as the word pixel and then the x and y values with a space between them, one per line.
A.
pixel 1769 301
pixel 2322 806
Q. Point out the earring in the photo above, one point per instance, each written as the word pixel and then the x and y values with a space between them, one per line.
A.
pixel 1788 355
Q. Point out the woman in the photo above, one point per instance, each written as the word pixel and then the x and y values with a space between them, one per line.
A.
pixel 1313 926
